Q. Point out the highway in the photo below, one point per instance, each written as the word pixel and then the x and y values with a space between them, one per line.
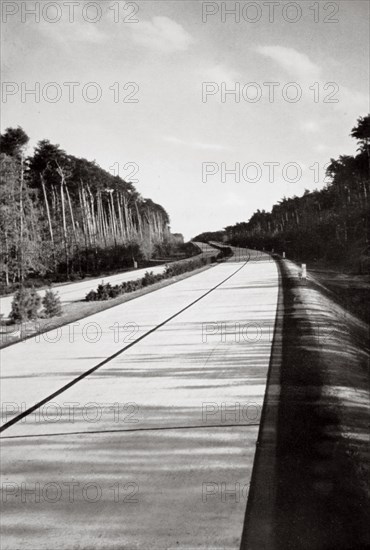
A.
pixel 137 428
pixel 73 292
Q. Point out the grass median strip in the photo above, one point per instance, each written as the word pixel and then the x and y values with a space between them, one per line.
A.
pixel 106 291
pixel 76 311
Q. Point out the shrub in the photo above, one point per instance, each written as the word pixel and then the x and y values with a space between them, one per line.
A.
pixel 104 291
pixel 52 305
pixel 183 267
pixel 148 279
pixel 25 305
pixel 115 291
pixel 131 286
pixel 91 296
pixel 124 287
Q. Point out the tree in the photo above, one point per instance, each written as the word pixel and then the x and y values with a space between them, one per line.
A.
pixel 13 142
pixel 331 223
pixel 62 206
pixel 44 153
pixel 52 304
pixel 25 305
pixel 361 132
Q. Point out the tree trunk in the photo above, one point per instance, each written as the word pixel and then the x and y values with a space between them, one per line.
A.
pixel 6 260
pixel 64 224
pixel 139 222
pixel 47 208
pixel 49 220
pixel 120 217
pixel 21 266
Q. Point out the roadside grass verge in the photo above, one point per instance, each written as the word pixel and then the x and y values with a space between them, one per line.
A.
pixel 12 333
pixel 106 291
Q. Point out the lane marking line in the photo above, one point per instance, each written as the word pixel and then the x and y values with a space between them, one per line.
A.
pixel 130 430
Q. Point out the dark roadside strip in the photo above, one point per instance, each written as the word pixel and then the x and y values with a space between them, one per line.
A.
pixel 258 529
pixel 310 482
pixel 111 357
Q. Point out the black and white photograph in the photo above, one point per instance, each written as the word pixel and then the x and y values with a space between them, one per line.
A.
pixel 185 275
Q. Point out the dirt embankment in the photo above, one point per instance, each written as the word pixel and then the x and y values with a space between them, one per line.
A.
pixel 350 290
pixel 310 485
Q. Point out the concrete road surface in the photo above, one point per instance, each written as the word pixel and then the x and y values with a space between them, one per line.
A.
pixel 72 292
pixel 154 448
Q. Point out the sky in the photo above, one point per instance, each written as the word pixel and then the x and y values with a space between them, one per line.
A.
pixel 212 109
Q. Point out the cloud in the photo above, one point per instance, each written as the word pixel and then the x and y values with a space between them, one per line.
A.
pixel 78 31
pixel 321 148
pixel 162 34
pixel 209 146
pixel 347 101
pixel 293 62
pixel 173 139
pixel 196 144
pixel 221 73
pixel 310 126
